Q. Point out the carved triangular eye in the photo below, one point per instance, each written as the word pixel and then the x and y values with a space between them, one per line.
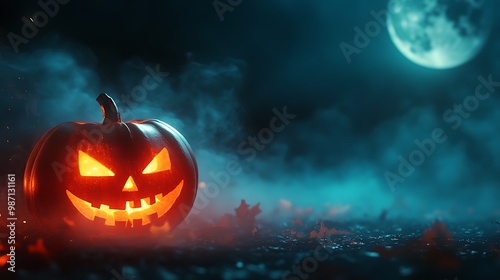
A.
pixel 89 166
pixel 161 162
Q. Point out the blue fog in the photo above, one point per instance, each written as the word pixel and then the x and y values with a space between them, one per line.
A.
pixel 353 120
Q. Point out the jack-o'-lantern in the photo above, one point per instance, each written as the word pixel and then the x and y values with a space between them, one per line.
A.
pixel 110 179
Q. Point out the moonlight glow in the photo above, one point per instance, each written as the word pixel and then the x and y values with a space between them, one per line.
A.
pixel 438 34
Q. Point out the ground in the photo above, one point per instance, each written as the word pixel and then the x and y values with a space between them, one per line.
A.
pixel 240 246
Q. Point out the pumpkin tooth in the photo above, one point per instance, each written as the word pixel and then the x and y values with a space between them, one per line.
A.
pixel 146 200
pixel 103 207
pixel 129 205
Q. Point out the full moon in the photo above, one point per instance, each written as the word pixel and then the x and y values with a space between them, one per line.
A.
pixel 439 34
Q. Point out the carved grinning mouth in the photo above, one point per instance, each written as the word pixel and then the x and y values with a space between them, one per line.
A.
pixel 130 213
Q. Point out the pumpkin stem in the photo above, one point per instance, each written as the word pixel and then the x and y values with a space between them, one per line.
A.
pixel 110 112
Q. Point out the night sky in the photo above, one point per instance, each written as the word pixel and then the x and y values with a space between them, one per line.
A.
pixel 227 79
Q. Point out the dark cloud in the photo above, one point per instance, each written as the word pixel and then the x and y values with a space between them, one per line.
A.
pixel 353 119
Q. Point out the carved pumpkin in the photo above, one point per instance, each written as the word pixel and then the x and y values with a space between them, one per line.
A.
pixel 110 178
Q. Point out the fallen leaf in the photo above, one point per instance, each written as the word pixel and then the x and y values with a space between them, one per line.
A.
pixel 325 232
pixel 38 248
pixel 438 234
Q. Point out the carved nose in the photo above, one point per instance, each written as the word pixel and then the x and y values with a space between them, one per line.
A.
pixel 130 185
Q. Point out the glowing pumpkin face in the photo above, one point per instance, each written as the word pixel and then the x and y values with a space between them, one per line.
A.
pixel 139 210
pixel 111 178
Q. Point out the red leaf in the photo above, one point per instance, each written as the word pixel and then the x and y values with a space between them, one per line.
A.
pixel 3 259
pixel 242 210
pixel 325 232
pixel 254 211
pixel 438 234
pixel 38 248
pixel 245 216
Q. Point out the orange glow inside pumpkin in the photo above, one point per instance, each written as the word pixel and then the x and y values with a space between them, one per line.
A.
pixel 89 166
pixel 161 162
pixel 130 185
pixel 131 211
